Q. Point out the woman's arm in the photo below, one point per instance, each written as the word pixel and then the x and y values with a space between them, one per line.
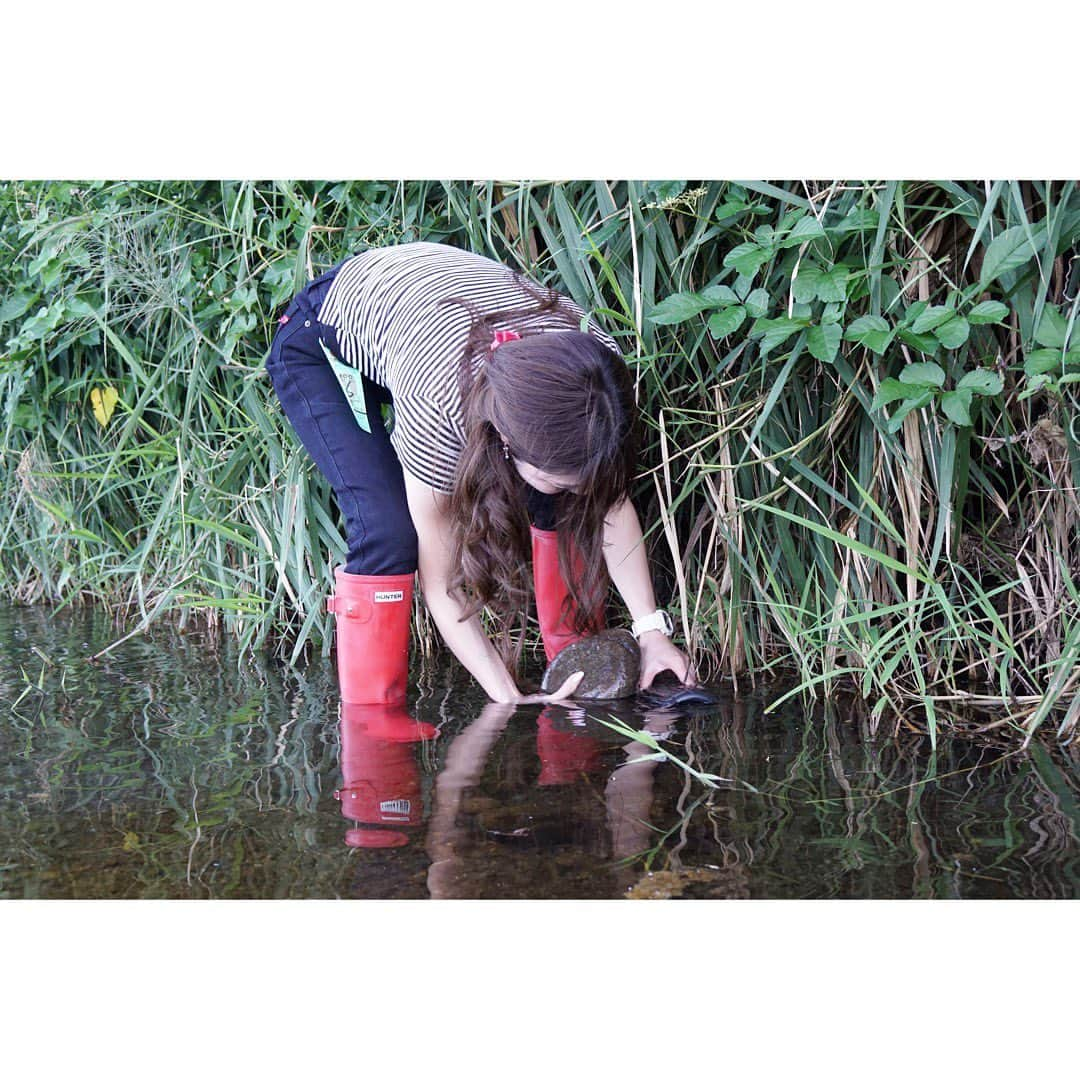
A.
pixel 624 553
pixel 467 639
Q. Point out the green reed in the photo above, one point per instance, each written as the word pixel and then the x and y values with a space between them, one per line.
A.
pixel 860 397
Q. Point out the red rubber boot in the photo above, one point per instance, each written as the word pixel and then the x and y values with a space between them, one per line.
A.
pixel 373 616
pixel 551 590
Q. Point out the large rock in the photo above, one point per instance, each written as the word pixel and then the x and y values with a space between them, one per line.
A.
pixel 611 661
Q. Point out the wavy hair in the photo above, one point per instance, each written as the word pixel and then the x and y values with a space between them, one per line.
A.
pixel 565 404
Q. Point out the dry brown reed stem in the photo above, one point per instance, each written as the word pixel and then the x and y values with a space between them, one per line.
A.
pixel 910 490
pixel 666 499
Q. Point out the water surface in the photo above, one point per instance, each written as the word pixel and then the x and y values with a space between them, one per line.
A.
pixel 173 768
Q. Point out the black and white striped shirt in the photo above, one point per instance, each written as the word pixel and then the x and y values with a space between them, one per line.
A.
pixel 384 306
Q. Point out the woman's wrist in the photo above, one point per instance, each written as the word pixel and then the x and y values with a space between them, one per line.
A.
pixel 497 682
pixel 657 620
pixel 502 696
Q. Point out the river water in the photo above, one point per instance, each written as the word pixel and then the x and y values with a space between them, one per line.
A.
pixel 174 768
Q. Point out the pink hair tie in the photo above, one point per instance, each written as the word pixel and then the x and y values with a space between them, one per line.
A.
pixel 504 335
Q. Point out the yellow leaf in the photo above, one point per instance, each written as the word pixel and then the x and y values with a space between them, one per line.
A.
pixel 131 841
pixel 104 401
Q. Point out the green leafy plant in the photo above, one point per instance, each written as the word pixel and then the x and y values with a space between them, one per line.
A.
pixel 922 384
pixel 793 525
pixel 1057 363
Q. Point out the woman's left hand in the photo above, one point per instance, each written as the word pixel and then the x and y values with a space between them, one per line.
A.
pixel 658 653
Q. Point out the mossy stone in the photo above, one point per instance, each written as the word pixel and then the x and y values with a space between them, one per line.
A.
pixel 610 659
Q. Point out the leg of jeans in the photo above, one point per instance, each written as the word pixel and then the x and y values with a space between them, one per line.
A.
pixel 361 466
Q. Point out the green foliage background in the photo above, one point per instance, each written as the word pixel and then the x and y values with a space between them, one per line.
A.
pixel 861 395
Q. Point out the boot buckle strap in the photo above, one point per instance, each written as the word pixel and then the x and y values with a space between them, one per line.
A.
pixel 349 608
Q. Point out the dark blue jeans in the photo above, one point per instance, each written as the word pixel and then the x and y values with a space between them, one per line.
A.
pixel 361 466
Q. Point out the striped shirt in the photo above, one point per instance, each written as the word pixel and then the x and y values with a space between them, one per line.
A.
pixel 384 306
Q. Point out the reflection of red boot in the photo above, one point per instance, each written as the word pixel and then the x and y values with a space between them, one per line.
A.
pixel 373 614
pixel 551 591
pixel 565 752
pixel 381 782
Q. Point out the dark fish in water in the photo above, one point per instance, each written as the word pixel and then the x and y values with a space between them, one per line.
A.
pixel 672 694
pixel 542 836
pixel 611 661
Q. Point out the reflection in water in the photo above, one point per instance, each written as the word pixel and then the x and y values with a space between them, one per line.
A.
pixel 566 749
pixel 381 786
pixel 176 768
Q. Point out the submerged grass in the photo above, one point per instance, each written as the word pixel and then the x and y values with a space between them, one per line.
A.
pixel 862 457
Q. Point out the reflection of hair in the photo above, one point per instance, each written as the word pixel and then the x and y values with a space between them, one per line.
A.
pixel 565 403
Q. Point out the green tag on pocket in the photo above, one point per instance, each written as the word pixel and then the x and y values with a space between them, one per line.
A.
pixel 352 385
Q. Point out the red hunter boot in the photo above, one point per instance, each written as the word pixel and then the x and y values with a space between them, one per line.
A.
pixel 550 592
pixel 373 616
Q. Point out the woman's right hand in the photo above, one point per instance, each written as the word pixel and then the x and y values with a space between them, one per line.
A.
pixel 564 691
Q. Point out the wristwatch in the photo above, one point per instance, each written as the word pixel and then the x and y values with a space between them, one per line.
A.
pixel 658 620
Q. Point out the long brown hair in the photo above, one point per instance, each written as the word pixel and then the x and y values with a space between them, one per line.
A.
pixel 565 404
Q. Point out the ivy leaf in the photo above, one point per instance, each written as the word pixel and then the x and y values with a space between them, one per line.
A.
pixel 730 208
pixel 954 333
pixel 42 260
pixel 926 343
pixel 765 235
pixel 824 341
pixel 15 305
pixel 724 322
pixel 747 258
pixel 40 325
pixel 1041 361
pixel 659 191
pixel 890 390
pixel 913 311
pixel 804 287
pixel 1006 252
pixel 858 219
pixel 806 228
pixel 1052 328
pixel 1034 384
pixel 677 308
pixel 932 317
pixel 954 404
pixel 743 284
pixel 897 420
pixel 871 331
pixel 925 374
pixel 774 331
pixel 989 311
pixel 832 287
pixel 757 303
pixel 718 296
pixel 982 381
pixel 78 308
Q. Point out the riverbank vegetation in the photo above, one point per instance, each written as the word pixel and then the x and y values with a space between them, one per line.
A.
pixel 863 449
